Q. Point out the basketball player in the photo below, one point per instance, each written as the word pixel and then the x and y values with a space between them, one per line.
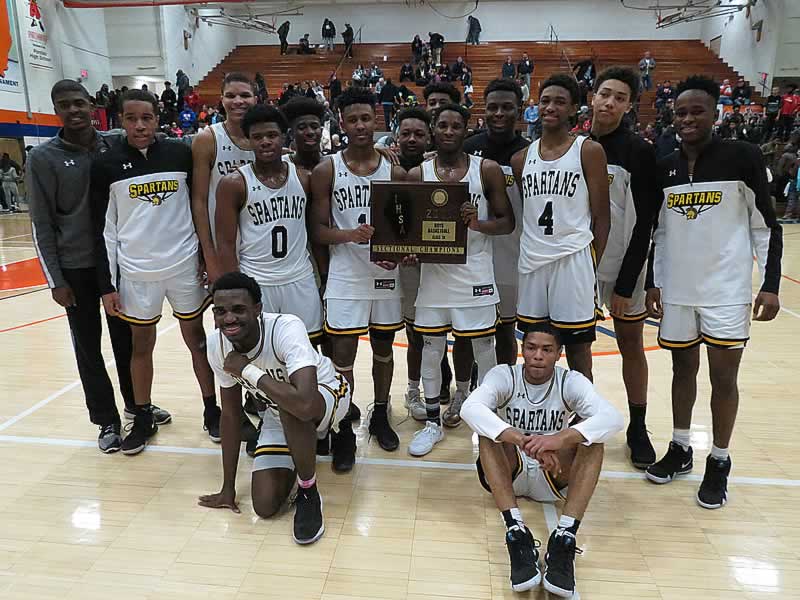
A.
pixel 360 297
pixel 413 138
pixel 635 197
pixel 716 214
pixel 271 356
pixel 459 298
pixel 148 250
pixel 439 93
pixel 304 116
pixel 499 143
pixel 521 414
pixel 217 151
pixel 564 185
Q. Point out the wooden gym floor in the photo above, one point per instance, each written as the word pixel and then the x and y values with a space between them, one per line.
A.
pixel 77 524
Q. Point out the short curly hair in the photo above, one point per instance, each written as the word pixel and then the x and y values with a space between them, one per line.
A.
pixel 624 74
pixel 356 95
pixel 239 281
pixel 565 81
pixel 504 84
pixel 700 83
pixel 442 87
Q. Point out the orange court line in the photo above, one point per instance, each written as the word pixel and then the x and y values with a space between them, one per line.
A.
pixel 32 323
pixel 21 274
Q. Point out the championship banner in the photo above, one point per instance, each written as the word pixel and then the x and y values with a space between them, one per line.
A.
pixel 10 75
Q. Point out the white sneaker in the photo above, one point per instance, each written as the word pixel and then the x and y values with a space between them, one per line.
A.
pixel 425 439
pixel 416 406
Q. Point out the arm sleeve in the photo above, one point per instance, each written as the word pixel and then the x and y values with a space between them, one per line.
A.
pixel 42 202
pixel 105 252
pixel 646 201
pixel 601 421
pixel 765 231
pixel 292 344
pixel 480 408
pixel 215 360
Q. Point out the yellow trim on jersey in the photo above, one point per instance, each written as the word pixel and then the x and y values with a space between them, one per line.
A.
pixel 193 315
pixel 723 343
pixel 631 318
pixel 140 322
pixel 507 320
pixel 437 330
pixel 387 326
pixel 473 333
pixel 519 466
pixel 552 485
pixel 312 335
pixel 337 394
pixel 532 320
pixel 670 345
pixel 574 325
pixel 273 449
pixel 354 331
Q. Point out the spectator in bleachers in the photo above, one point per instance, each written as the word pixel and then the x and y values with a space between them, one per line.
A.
pixel 387 97
pixel 283 35
pixel 725 93
pixel 375 73
pixel 791 214
pixel 526 92
pixel 466 80
pixel 772 110
pixel 437 45
pixel 525 69
pixel 531 116
pixel 101 96
pixel 170 101
pixel 646 66
pixel 790 107
pixel 667 142
pixel 473 31
pixel 348 37
pixel 181 82
pixel 416 49
pixel 741 93
pixel 508 69
pixel 304 46
pixel 443 71
pixel 261 88
pixel 112 110
pixel 188 120
pixel 174 130
pixel 334 87
pixel 468 103
pixel 457 69
pixel 422 74
pixel 649 133
pixel 318 90
pixel 359 74
pixel 328 34
pixel 406 73
pixel 192 99
pixel 480 125
pixel 664 92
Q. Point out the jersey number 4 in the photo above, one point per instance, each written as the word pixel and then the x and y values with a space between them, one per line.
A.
pixel 279 241
pixel 546 219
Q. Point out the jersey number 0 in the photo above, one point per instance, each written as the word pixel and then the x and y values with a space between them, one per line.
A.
pixel 279 241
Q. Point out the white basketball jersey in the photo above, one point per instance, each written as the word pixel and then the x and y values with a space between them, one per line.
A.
pixel 557 217
pixel 623 218
pixel 351 276
pixel 470 284
pixel 227 158
pixel 505 248
pixel 534 409
pixel 283 348
pixel 273 239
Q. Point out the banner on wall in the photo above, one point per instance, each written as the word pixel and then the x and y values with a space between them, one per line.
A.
pixel 10 76
pixel 39 52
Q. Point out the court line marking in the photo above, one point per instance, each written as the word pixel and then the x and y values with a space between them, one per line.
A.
pixel 383 462
pixel 61 316
pixel 70 386
pixel 550 515
pixel 13 237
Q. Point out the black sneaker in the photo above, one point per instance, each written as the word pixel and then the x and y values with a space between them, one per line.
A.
pixel 308 522
pixel 144 427
pixel 642 452
pixel 380 427
pixel 161 416
pixel 522 550
pixel 109 440
pixel 252 404
pixel 248 431
pixel 343 448
pixel 353 413
pixel 713 492
pixel 447 379
pixel 252 444
pixel 676 461
pixel 211 417
pixel 473 378
pixel 559 563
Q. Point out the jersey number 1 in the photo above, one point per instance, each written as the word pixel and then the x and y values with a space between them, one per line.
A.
pixel 279 241
pixel 546 219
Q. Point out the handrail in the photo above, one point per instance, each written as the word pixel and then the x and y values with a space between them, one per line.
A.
pixel 357 34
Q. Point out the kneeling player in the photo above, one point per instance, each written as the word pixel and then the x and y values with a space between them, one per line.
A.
pixel 271 356
pixel 521 414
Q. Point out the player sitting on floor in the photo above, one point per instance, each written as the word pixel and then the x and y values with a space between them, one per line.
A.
pixel 521 414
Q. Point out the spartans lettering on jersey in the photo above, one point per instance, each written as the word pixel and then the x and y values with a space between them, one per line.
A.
pixel 691 204
pixel 356 196
pixel 277 207
pixel 540 420
pixel 153 192
pixel 225 167
pixel 550 183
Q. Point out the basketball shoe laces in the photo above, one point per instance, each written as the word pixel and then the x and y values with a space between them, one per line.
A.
pixel 561 561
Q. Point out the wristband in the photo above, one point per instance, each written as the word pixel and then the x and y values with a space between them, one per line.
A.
pixel 251 374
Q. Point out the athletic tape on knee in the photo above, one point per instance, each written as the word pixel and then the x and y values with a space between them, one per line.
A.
pixel 483 351
pixel 433 349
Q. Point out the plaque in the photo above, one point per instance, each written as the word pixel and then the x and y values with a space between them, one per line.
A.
pixel 422 218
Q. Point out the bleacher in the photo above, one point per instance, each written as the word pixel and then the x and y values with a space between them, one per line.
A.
pixel 675 60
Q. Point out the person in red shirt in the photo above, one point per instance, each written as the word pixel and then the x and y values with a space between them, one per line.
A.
pixel 790 106
pixel 192 99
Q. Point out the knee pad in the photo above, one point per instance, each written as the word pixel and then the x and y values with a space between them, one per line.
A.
pixel 432 351
pixel 483 351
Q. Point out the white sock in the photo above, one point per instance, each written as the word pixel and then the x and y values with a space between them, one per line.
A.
pixel 517 514
pixel 683 437
pixel 719 453
pixel 413 386
pixel 566 522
